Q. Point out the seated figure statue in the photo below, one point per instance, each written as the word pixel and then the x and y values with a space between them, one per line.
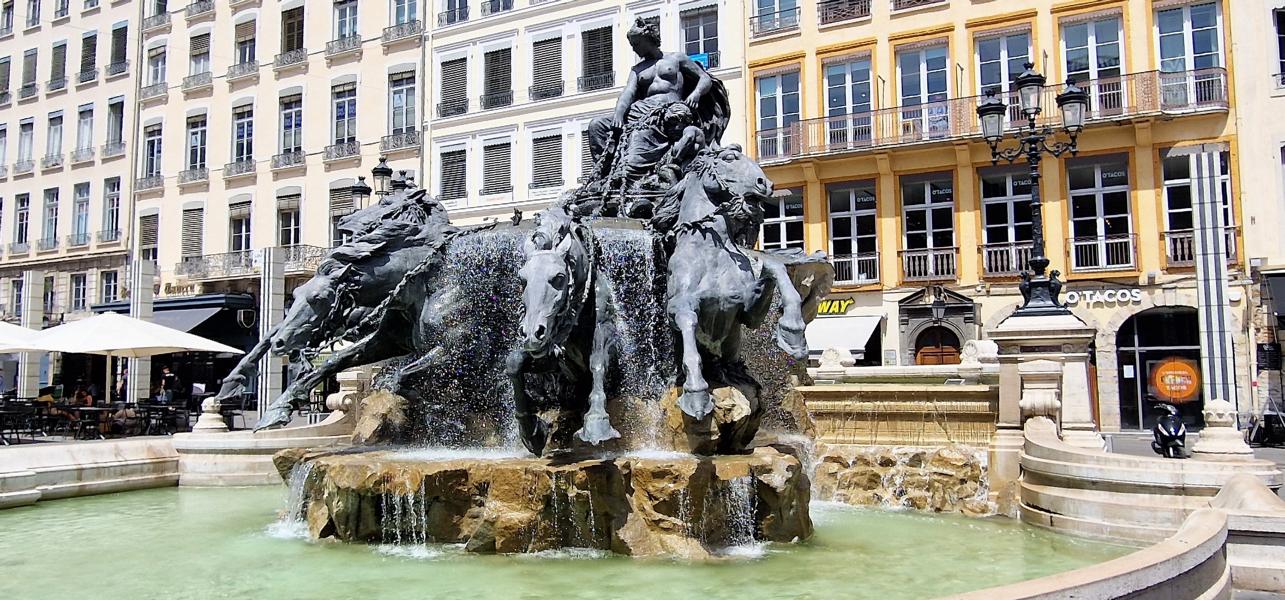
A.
pixel 670 109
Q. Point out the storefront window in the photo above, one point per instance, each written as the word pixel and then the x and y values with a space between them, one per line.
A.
pixel 854 247
pixel 1101 226
pixel 1158 355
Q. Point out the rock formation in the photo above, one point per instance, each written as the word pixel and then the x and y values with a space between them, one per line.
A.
pixel 949 479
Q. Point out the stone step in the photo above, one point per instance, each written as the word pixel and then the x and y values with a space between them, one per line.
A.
pixel 1110 507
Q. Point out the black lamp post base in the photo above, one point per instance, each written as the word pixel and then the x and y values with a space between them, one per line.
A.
pixel 1040 296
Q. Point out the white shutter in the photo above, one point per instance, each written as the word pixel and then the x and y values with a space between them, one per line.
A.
pixel 499 71
pixel 148 228
pixel 120 38
pixel 455 80
pixel 497 166
pixel 288 202
pixel 546 68
pixel 546 161
pixel 88 52
pixel 58 66
pixel 597 51
pixel 240 210
pixel 341 202
pixel 193 231
pixel 244 31
pixel 200 44
pixel 586 155
pixel 454 175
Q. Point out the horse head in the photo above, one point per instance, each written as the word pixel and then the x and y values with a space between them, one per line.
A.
pixel 313 302
pixel 554 277
pixel 727 183
pixel 410 206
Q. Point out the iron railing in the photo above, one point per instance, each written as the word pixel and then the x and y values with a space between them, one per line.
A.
pixel 450 108
pixel 344 44
pixel 343 150
pixel 6 31
pixel 78 239
pixel 544 91
pixel 87 75
pixel 543 184
pixel 199 8
pixel 596 81
pixel 243 70
pixel 90 4
pixel 237 168
pixel 150 182
pixel 929 264
pixel 159 89
pixel 108 235
pixel 55 84
pixel 28 90
pixel 304 259
pixel 198 81
pixel 111 149
pixel 834 11
pixel 856 269
pixel 399 141
pixel 290 58
pixel 4 171
pixel 908 4
pixel 1005 259
pixel 402 31
pixel 289 159
pixel 491 7
pixel 496 99
pixel 156 21
pixel 48 244
pixel 1103 253
pixel 19 248
pixel 80 155
pixel 193 175
pixel 774 22
pixel 117 68
pixel 452 16
pixel 1180 246
pixel 6 97
pixel 23 167
pixel 219 266
pixel 51 161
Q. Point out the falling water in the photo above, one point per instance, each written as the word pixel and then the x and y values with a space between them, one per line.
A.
pixel 293 523
pixel 404 521
pixel 740 499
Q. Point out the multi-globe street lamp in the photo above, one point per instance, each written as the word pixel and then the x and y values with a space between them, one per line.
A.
pixel 1039 290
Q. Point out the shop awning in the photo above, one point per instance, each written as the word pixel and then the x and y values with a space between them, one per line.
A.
pixel 185 319
pixel 849 331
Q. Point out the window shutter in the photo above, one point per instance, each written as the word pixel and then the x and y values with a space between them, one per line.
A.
pixel 496 168
pixel 546 161
pixel 4 76
pixel 200 44
pixel 239 210
pixel 245 31
pixel 193 230
pixel 290 202
pixel 586 155
pixel 88 52
pixel 29 68
pixel 499 71
pixel 341 201
pixel 58 66
pixel 597 51
pixel 546 62
pixel 292 29
pixel 455 81
pixel 454 175
pixel 120 37
pixel 148 227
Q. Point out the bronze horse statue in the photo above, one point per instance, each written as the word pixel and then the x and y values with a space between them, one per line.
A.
pixel 567 328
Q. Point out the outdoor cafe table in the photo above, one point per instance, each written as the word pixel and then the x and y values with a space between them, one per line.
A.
pixel 92 413
pixel 8 418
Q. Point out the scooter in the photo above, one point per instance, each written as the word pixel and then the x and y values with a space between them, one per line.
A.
pixel 1169 436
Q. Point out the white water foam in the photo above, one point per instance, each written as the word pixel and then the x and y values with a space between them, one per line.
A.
pixel 416 551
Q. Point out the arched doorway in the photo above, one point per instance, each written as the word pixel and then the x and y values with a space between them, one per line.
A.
pixel 1158 360
pixel 937 345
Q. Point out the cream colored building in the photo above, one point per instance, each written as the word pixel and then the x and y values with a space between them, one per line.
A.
pixel 66 113
pixel 514 84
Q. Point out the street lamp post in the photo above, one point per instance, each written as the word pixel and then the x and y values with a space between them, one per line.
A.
pixel 360 191
pixel 382 174
pixel 1039 291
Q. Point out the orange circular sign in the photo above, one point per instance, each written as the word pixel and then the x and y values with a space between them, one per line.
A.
pixel 1176 380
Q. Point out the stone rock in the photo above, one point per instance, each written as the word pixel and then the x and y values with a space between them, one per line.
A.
pixel 381 419
pixel 947 479
pixel 686 507
pixel 728 429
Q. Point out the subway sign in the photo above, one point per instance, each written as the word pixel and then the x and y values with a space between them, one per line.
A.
pixel 835 306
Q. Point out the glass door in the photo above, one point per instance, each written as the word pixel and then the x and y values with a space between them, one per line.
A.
pixel 848 104
pixel 1093 60
pixel 924 91
pixel 1000 59
pixel 1190 53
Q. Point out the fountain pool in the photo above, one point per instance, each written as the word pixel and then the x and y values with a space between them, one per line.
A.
pixel 181 543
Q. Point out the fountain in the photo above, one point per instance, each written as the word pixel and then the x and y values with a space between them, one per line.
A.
pixel 627 338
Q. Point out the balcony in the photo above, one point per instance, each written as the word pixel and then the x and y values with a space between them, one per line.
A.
pixel 117 68
pixel 1145 94
pixel 6 31
pixel 108 236
pixel 156 22
pixel 911 4
pixel 836 11
pixel 491 7
pixel 709 60
pixel 292 58
pixel 78 239
pixel 154 91
pixel 200 81
pixel 193 175
pixel 5 98
pixel 342 150
pixel 28 91
pixel 405 140
pixel 1180 247
pixel 496 99
pixel 82 155
pixel 199 8
pixel 544 91
pixel 23 167
pixel 113 149
pixel 56 84
pixel 450 108
pixel 596 81
pixel 148 183
pixel 229 265
pixel 1103 253
pixel 48 244
pixel 62 10
pixel 87 76
pixel 52 161
pixel 928 264
pixel 403 31
pixel 90 5
pixel 288 160
pixel 19 248
pixel 775 22
pixel 856 269
pixel 301 259
pixel 1005 259
pixel 343 45
pixel 243 70
pixel 453 16
pixel 239 168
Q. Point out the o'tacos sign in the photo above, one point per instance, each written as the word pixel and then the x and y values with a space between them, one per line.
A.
pixel 1103 297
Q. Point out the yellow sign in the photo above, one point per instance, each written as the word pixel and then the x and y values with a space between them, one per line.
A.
pixel 1176 380
pixel 838 306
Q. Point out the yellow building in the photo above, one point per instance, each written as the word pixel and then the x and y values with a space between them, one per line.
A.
pixel 865 111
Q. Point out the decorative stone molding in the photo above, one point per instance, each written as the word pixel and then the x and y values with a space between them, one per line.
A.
pixel 1041 389
pixel 1220 439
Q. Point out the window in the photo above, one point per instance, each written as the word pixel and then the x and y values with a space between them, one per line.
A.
pixel 5 70
pixel 29 67
pixel 783 222
pixel 148 229
pixel 243 48
pixel 498 78
pixel 6 17
pixel 109 287
pixel 546 160
pixel 1093 58
pixel 1006 219
pixel 497 166
pixel 924 81
pixel 345 19
pixel 152 151
pixel 239 225
pixel 1000 59
pixel 4 144
pixel 199 53
pixel 33 13
pixel 53 141
pixel 454 88
pixel 115 120
pixel 586 156
pixel 596 55
pixel 1190 48
pixel 85 127
pixel 111 210
pixel 344 99
pixel 159 7
pixel 454 167
pixel 26 140
pixel 848 103
pixel 546 68
pixel 243 133
pixel 405 11
pixel 120 40
pixel 49 231
pixel 1100 222
pixel 700 34
pixel 51 294
pixel 401 102
pixel 291 124
pixel 58 66
pixel 1181 188
pixel 88 54
pixel 191 239
pixel 197 137
pixel 778 103
pixel 341 205
pixel 156 65
pixel 78 293
pixel 929 203
pixel 854 244
pixel 292 30
pixel 80 215
pixel 21 218
pixel 1280 43
pixel 288 220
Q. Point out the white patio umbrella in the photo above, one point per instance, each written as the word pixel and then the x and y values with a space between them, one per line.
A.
pixel 111 334
pixel 13 338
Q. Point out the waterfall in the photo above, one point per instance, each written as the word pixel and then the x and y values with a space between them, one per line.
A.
pixel 295 498
pixel 404 523
pixel 740 499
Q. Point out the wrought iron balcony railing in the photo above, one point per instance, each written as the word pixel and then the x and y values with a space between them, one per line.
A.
pixel 6 31
pixel 291 58
pixel 238 168
pixel 1005 259
pixel 490 7
pixel 149 182
pixel 402 31
pixel 48 244
pixel 111 149
pixel 81 155
pixel 227 265
pixel 87 75
pixel 596 81
pixel 107 236
pixel 496 99
pixel 303 259
pixel 834 11
pixel 19 248
pixel 908 4
pixel 399 141
pixel 23 167
pixel 343 45
pixel 1180 247
pixel 159 89
pixel 1103 253
pixel 285 160
pixel 5 98
pixel 243 70
pixel 342 150
pixel 856 269
pixel 774 22
pixel 78 239
pixel 90 4
pixel 156 21
pixel 453 16
pixel 198 81
pixel 117 68
pixel 199 8
pixel 545 184
pixel 28 91
pixel 56 84
pixel 52 161
pixel 193 175
pixel 929 264
pixel 544 91
pixel 450 108
pixel 4 171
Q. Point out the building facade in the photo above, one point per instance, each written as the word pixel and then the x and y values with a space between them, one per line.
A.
pixel 866 111
pixel 66 98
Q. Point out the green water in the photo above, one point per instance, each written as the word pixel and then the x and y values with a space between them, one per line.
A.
pixel 221 543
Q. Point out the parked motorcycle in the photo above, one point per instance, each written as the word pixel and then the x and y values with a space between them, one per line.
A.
pixel 1169 436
